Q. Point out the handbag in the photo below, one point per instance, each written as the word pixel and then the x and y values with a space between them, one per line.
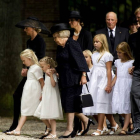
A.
pixel 86 99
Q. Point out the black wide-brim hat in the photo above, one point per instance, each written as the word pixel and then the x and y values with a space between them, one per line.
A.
pixel 34 23
pixel 59 27
pixel 75 14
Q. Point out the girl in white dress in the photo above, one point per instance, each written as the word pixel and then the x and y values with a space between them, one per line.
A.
pixel 100 84
pixel 121 95
pixel 87 111
pixel 49 109
pixel 31 90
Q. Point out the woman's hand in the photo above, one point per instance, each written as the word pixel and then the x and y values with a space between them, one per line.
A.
pixel 108 89
pixel 83 80
pixel 24 72
pixel 130 70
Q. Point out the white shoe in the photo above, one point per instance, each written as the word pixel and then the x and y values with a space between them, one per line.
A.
pixel 96 133
pixel 115 128
pixel 105 129
pixel 79 134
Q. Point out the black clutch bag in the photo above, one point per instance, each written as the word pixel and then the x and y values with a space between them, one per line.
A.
pixel 86 99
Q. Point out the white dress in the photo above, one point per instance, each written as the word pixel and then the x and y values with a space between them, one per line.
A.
pixel 31 91
pixel 102 100
pixel 121 94
pixel 87 111
pixel 50 106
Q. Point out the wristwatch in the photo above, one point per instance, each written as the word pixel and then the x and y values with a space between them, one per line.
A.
pixel 84 74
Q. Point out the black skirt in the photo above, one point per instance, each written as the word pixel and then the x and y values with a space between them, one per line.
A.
pixel 70 99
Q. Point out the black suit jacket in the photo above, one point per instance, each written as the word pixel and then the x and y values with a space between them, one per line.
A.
pixel 85 39
pixel 71 63
pixel 121 35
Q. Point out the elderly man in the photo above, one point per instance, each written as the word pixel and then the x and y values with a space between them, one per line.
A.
pixel 115 35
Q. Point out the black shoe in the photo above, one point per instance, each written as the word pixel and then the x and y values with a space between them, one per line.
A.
pixel 43 136
pixel 134 131
pixel 6 131
pixel 72 135
pixel 121 120
pixel 109 126
pixel 88 125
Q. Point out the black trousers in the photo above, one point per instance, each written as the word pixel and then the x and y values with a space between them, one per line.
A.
pixel 135 98
pixel 17 103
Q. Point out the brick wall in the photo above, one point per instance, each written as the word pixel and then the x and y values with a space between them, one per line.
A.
pixel 47 11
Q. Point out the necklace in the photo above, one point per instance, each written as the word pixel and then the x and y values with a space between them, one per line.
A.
pixel 76 34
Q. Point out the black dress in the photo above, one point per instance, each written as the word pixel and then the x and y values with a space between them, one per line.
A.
pixel 71 64
pixel 38 45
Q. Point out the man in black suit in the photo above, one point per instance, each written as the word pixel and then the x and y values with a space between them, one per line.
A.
pixel 115 35
pixel 135 89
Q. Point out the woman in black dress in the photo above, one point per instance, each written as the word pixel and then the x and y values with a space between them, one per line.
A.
pixel 72 75
pixel 84 38
pixel 32 26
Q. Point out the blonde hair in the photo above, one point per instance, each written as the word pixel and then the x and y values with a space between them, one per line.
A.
pixel 37 30
pixel 103 40
pixel 64 34
pixel 89 53
pixel 28 53
pixel 137 11
pixel 49 60
pixel 124 48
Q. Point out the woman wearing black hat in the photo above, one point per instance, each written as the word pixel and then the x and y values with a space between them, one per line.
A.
pixel 84 38
pixel 32 26
pixel 79 34
pixel 72 75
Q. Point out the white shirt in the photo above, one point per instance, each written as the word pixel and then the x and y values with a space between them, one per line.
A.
pixel 113 31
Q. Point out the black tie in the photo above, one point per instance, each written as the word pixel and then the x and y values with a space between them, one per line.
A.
pixel 112 39
pixel 111 34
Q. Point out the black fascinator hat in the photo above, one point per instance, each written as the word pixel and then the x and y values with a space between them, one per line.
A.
pixel 34 23
pixel 59 27
pixel 75 14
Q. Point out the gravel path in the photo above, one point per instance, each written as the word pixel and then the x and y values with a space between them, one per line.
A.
pixel 34 128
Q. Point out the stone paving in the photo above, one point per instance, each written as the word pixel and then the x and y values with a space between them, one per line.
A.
pixel 34 128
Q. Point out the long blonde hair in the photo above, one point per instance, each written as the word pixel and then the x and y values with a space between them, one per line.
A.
pixel 103 40
pixel 124 48
pixel 28 53
pixel 49 60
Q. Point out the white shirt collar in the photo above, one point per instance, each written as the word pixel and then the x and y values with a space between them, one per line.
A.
pixel 112 29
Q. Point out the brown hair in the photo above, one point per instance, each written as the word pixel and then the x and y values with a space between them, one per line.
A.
pixel 49 60
pixel 124 48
